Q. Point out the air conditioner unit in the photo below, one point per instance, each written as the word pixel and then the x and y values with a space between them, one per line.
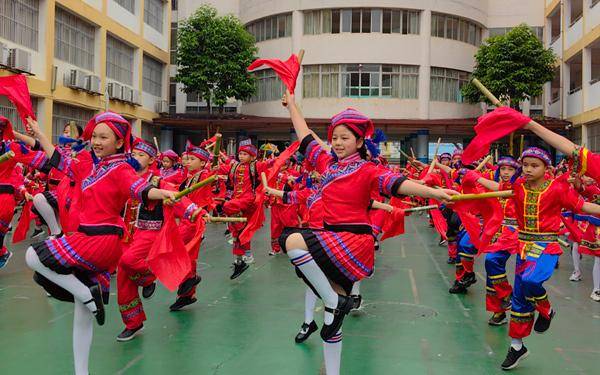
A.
pixel 135 97
pixel 75 79
pixel 126 94
pixel 92 84
pixel 20 59
pixel 4 54
pixel 114 90
pixel 162 106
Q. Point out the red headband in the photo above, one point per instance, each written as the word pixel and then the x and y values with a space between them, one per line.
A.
pixel 120 126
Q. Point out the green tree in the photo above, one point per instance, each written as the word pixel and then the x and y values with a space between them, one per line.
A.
pixel 213 53
pixel 513 66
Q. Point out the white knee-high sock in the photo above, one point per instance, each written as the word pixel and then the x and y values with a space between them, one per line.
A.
pixel 355 289
pixel 576 257
pixel 332 351
pixel 306 264
pixel 83 331
pixel 596 273
pixel 517 344
pixel 310 299
pixel 47 212
pixel 69 282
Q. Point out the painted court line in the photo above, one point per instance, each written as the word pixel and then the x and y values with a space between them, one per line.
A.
pixel 130 364
pixel 413 285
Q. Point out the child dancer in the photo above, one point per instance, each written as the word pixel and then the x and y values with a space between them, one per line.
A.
pixel 333 258
pixel 77 267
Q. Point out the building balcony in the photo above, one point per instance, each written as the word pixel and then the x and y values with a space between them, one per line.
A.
pixel 556 46
pixel 574 103
pixel 574 33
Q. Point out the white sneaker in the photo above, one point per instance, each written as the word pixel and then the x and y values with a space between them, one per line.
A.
pixel 595 295
pixel 248 259
pixel 575 276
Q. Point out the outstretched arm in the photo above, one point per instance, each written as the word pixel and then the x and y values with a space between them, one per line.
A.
pixel 300 125
pixel 412 188
pixel 557 141
pixel 591 208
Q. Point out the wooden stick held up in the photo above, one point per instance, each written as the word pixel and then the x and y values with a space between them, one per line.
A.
pixel 156 144
pixel 483 163
pixel 221 219
pixel 435 154
pixel 193 188
pixel 486 92
pixel 492 194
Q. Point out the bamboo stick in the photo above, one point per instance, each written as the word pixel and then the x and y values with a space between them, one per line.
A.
pixel 422 208
pixel 492 194
pixel 522 144
pixel 511 148
pixel 216 150
pixel 483 163
pixel 435 154
pixel 486 92
pixel 192 188
pixel 412 152
pixel 221 219
pixel 7 156
pixel 156 144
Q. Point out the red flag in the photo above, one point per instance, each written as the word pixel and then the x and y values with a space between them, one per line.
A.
pixel 287 71
pixel 439 222
pixel 482 218
pixel 490 127
pixel 168 258
pixel 194 243
pixel 24 223
pixel 15 89
pixel 394 224
pixel 258 217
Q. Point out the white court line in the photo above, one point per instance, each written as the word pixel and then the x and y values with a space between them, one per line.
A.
pixel 402 250
pixel 413 285
pixel 130 364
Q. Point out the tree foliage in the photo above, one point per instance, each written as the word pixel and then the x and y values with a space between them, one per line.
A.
pixel 513 66
pixel 213 53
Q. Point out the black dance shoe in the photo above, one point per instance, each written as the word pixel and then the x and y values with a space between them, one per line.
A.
pixel 514 357
pixel 468 279
pixel 498 319
pixel 542 323
pixel 344 306
pixel 97 299
pixel 182 302
pixel 305 331
pixel 457 288
pixel 357 299
pixel 129 334
pixel 188 285
pixel 238 269
pixel 148 291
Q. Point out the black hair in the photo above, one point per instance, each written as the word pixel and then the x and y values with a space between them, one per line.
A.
pixel 362 150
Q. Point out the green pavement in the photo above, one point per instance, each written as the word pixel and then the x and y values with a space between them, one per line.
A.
pixel 409 323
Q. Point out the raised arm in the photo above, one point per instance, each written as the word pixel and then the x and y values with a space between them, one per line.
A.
pixel 47 146
pixel 29 141
pixel 557 141
pixel 298 121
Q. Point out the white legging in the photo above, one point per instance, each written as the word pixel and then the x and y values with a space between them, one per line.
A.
pixel 83 318
pixel 47 213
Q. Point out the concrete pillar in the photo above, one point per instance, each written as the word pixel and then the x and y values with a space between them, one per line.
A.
pixel 586 77
pixel 412 143
pixel 425 65
pixel 297 34
pixel 423 145
pixel 166 139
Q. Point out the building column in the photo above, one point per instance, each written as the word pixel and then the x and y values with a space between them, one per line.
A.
pixel 297 33
pixel 586 77
pixel 166 139
pixel 423 145
pixel 425 65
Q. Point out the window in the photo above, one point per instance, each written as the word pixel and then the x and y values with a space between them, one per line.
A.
pixel 119 61
pixel 279 26
pixel 153 76
pixel 62 114
pixel 174 4
pixel 268 86
pixel 172 95
pixel 193 97
pixel 19 21
pixel 310 81
pixel 330 21
pixel 153 14
pixel 450 27
pixel 446 84
pixel 174 43
pixel 73 40
pixel 357 80
pixel 8 110
pixel 127 4
pixel 496 31
pixel 150 131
